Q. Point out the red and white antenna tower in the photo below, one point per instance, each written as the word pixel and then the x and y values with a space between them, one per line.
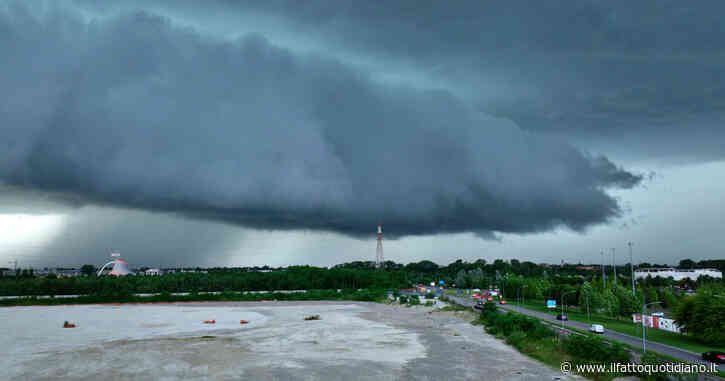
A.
pixel 379 261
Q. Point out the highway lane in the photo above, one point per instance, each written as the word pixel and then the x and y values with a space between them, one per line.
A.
pixel 631 340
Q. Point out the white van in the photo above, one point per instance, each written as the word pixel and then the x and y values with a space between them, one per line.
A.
pixel 596 328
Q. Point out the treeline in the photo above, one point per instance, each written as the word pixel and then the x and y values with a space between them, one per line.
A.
pixel 514 278
pixel 368 295
pixel 291 278
pixel 703 315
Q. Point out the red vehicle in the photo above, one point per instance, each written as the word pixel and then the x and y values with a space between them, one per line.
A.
pixel 490 298
pixel 716 357
pixel 502 301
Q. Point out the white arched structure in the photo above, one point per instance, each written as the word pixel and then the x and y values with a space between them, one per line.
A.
pixel 120 268
pixel 104 267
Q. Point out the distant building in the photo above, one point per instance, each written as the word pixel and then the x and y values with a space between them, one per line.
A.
pixel 120 268
pixel 67 273
pixel 676 274
pixel 153 272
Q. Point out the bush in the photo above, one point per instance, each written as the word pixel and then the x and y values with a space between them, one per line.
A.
pixel 593 349
pixel 517 339
pixel 653 358
pixel 430 303
pixel 414 300
pixel 403 299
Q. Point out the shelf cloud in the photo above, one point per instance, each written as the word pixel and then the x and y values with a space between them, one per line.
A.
pixel 138 111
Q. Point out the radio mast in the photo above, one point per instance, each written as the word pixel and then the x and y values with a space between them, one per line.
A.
pixel 379 261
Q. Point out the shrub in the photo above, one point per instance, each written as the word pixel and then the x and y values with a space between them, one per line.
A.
pixel 516 338
pixel 414 300
pixel 594 349
pixel 653 358
pixel 403 299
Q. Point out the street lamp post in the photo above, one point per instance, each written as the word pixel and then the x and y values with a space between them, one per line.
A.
pixel 563 308
pixel 644 342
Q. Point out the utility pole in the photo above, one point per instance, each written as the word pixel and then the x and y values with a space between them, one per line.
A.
pixel 604 276
pixel 614 267
pixel 631 264
pixel 379 261
pixel 644 342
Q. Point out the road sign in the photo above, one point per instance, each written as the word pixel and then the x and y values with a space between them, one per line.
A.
pixel 551 304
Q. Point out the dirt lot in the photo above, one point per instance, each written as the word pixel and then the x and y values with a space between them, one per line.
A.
pixel 351 341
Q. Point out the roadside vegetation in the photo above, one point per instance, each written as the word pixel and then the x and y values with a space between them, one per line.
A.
pixel 703 316
pixel 627 326
pixel 538 340
pixel 530 336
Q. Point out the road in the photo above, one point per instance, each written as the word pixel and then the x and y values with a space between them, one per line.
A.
pixel 627 339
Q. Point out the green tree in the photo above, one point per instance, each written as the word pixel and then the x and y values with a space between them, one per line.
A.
pixel 476 277
pixel 609 302
pixel 669 299
pixel 88 270
pixel 703 315
pixel 651 294
pixel 462 279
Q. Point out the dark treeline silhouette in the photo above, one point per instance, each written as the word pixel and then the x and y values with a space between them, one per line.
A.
pixel 552 279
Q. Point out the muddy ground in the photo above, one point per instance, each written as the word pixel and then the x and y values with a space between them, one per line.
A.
pixel 352 341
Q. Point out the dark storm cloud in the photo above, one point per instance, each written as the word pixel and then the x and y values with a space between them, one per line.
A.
pixel 19 200
pixel 637 78
pixel 135 111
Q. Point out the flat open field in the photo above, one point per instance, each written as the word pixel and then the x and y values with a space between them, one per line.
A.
pixel 352 341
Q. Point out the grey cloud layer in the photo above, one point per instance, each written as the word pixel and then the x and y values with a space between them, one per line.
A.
pixel 642 78
pixel 134 111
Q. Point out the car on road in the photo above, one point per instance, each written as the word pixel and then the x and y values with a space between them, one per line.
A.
pixel 714 356
pixel 502 301
pixel 658 314
pixel 596 328
pixel 561 317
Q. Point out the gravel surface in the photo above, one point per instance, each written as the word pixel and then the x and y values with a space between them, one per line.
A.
pixel 352 341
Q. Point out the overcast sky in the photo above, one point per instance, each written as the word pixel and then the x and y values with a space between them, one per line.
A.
pixel 233 133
